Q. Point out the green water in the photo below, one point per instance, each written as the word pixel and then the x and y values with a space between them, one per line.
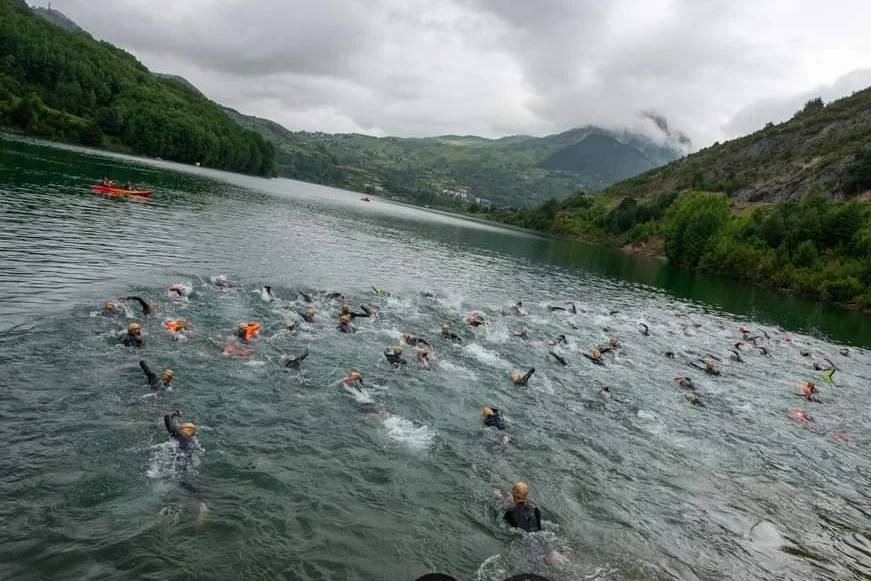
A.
pixel 303 481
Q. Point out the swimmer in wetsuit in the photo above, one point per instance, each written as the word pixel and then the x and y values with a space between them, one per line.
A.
pixel 685 382
pixel 809 392
pixel 394 356
pixel 560 359
pixel 345 325
pixel 523 514
pixel 308 315
pixel 147 308
pixel 694 399
pixel 293 361
pixel 645 330
pixel 306 297
pixel 157 384
pixel 185 434
pixel 595 356
pixel 521 379
pixel 523 333
pixel 352 381
pixel 475 319
pixel 133 337
pixel 415 341
pixel 710 367
pixel 450 335
pixel 493 418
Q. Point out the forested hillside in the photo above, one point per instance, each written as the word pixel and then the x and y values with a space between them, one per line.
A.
pixel 67 86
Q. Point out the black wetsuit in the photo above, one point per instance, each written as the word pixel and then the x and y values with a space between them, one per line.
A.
pixel 598 361
pixel 452 337
pixel 525 516
pixel 186 443
pixel 495 421
pixel 129 340
pixel 295 363
pixel 366 313
pixel 395 359
pixel 147 309
pixel 349 328
pixel 417 341
pixel 708 370
pixel 525 379
pixel 154 382
pixel 558 358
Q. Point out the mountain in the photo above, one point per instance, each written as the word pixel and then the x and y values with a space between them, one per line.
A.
pixel 816 148
pixel 57 19
pixel 67 86
pixel 785 207
pixel 458 170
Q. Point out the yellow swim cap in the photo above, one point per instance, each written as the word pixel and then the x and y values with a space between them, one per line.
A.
pixel 596 353
pixel 188 429
pixel 243 326
pixel 446 327
pixel 290 358
pixel 487 411
pixel 288 324
pixel 520 491
pixel 110 306
pixel 345 319
pixel 516 376
pixel 167 374
pixel 354 376
pixel 310 312
pixel 134 327
pixel 397 350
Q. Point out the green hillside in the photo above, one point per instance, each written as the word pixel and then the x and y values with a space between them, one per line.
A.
pixel 817 147
pixel 515 170
pixel 812 234
pixel 67 86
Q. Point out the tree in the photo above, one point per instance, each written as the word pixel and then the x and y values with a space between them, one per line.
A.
pixel 692 222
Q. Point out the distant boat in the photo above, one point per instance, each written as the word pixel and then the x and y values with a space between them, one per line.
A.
pixel 366 199
pixel 113 191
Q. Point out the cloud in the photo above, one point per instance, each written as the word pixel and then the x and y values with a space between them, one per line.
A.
pixel 415 67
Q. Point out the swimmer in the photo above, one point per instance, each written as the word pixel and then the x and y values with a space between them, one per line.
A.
pixel 553 308
pixel 799 416
pixel 423 357
pixel 605 393
pixel 809 392
pixel 222 282
pixel 685 382
pixel 157 384
pixel 523 514
pixel 394 356
pixel 266 294
pixel 669 354
pixel 176 326
pixel 185 434
pixel 133 337
pixel 306 297
pixel 334 294
pixel 178 291
pixel 450 335
pixel 147 308
pixel 353 380
pixel 645 330
pixel 572 308
pixel 612 313
pixel 415 341
pixel 804 353
pixel 293 361
pixel 309 315
pixel 345 325
pixel 694 399
pixel 613 344
pixel 521 379
pixel 560 340
pixel 844 352
pixel 247 331
pixel 738 346
pixel 829 375
pixel 523 333
pixel 475 319
pixel 710 367
pixel 561 360
pixel 595 356
pixel 381 292
pixel 367 312
pixel 289 325
pixel 110 309
pixel 518 308
pixel 764 352
pixel 735 356
pixel 492 418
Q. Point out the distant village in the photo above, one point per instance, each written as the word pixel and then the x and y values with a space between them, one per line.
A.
pixel 463 194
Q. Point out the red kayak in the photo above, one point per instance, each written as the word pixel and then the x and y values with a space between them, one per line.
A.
pixel 119 191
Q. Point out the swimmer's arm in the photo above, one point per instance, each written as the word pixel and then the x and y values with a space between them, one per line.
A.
pixel 146 308
pixel 303 356
pixel 152 377
pixel 526 377
pixel 170 425
pixel 538 518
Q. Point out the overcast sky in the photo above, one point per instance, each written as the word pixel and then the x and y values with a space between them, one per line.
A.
pixel 714 68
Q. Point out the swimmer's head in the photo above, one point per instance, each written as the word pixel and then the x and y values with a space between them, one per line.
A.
pixel 612 341
pixel 516 376
pixel 110 306
pixel 397 350
pixel 310 312
pixel 345 319
pixel 353 376
pixel 596 354
pixel 520 491
pixel 290 358
pixel 167 375
pixel 487 411
pixel 709 365
pixel 405 337
pixel 188 429
pixel 446 328
pixel 289 324
pixel 134 328
pixel 345 309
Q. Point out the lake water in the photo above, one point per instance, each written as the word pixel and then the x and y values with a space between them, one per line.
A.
pixel 297 479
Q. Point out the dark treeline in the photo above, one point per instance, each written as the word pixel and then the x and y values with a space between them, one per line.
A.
pixel 816 247
pixel 68 86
